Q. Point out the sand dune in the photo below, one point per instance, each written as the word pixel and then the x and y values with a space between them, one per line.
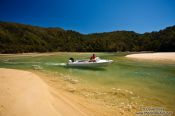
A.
pixel 23 93
pixel 166 56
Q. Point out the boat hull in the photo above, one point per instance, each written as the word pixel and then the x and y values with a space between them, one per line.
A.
pixel 89 64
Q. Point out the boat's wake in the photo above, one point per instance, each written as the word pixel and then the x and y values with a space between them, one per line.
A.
pixel 55 64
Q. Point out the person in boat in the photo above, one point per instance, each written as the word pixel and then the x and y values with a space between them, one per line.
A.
pixel 92 58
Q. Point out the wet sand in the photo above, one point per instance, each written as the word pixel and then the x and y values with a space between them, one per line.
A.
pixel 25 93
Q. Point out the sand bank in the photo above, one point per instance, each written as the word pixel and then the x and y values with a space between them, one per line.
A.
pixel 25 94
pixel 166 56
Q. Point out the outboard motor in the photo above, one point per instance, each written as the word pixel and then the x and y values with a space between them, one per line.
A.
pixel 71 59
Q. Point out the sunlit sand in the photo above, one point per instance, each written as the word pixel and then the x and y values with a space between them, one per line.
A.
pixel 25 94
pixel 167 56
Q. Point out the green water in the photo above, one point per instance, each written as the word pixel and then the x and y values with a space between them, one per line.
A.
pixel 153 81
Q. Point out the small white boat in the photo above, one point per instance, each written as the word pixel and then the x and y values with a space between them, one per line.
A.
pixel 87 63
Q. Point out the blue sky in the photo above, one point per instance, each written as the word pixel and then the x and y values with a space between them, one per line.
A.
pixel 90 16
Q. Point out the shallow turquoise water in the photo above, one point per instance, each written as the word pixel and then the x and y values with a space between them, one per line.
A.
pixel 151 80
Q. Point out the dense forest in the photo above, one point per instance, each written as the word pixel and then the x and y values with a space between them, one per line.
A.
pixel 19 38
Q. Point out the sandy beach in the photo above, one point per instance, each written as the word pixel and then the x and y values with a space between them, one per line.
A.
pixel 25 94
pixel 166 56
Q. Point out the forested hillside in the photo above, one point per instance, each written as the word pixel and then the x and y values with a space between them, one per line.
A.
pixel 19 38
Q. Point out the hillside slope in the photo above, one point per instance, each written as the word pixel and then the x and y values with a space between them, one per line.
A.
pixel 19 38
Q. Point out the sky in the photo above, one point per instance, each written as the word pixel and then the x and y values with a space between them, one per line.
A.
pixel 91 16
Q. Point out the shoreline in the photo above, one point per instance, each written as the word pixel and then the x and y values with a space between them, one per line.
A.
pixel 88 96
pixel 32 93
